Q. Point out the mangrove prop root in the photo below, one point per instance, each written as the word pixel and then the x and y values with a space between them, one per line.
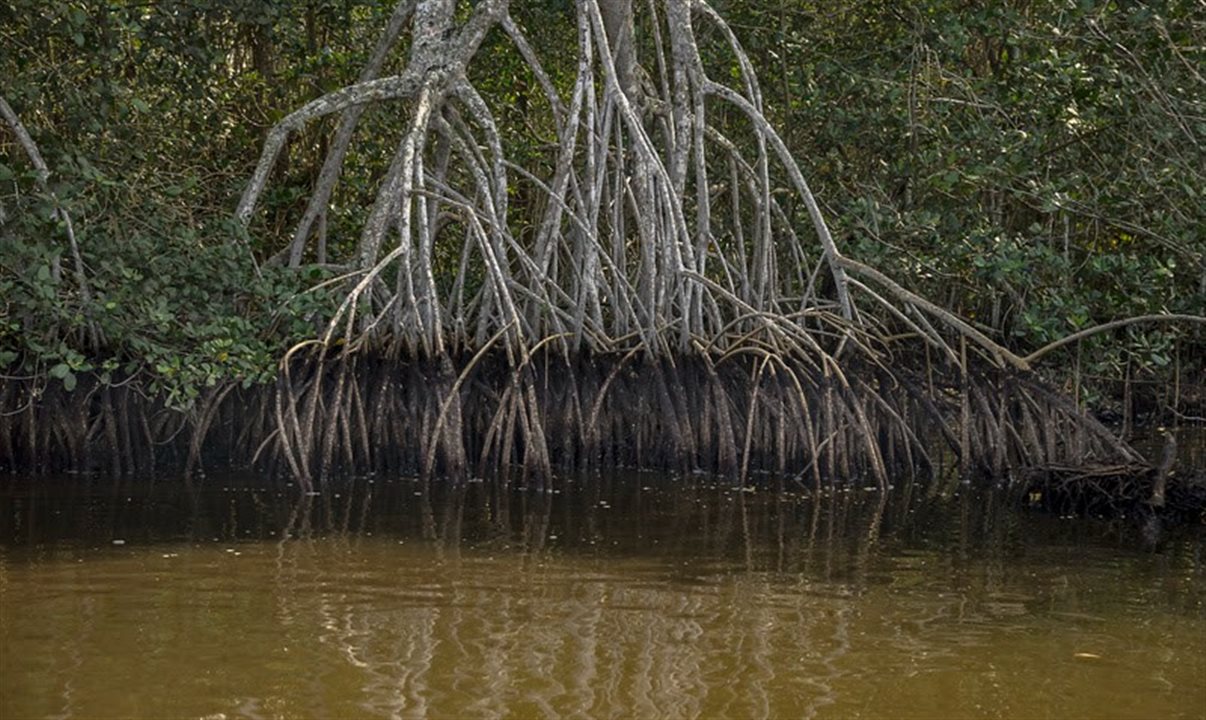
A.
pixel 738 416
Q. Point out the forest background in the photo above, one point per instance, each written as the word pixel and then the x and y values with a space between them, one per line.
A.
pixel 1034 166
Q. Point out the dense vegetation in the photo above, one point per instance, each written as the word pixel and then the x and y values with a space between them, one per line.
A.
pixel 1036 167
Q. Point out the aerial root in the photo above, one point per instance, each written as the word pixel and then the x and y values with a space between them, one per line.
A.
pixel 738 416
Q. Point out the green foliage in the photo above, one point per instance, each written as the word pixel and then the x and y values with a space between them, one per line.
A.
pixel 1037 166
pixel 150 117
pixel 181 310
pixel 170 100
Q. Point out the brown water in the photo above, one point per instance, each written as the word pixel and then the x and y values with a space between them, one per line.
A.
pixel 640 596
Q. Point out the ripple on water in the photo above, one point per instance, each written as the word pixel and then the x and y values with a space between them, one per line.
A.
pixel 677 609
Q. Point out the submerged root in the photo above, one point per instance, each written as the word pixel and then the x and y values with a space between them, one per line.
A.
pixel 737 415
pixel 742 416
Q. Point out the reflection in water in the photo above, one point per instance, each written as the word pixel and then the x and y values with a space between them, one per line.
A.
pixel 637 596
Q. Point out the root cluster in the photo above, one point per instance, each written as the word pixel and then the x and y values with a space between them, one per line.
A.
pixel 734 416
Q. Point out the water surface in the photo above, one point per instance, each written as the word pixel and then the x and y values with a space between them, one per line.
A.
pixel 619 597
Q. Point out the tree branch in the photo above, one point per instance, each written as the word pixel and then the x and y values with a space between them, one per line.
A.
pixel 43 175
pixel 1113 325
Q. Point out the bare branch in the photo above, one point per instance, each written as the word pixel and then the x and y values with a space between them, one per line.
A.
pixel 1113 325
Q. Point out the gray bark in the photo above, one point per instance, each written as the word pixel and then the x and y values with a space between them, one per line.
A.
pixel 621 36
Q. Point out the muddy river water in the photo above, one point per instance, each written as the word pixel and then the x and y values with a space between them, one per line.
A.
pixel 628 596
